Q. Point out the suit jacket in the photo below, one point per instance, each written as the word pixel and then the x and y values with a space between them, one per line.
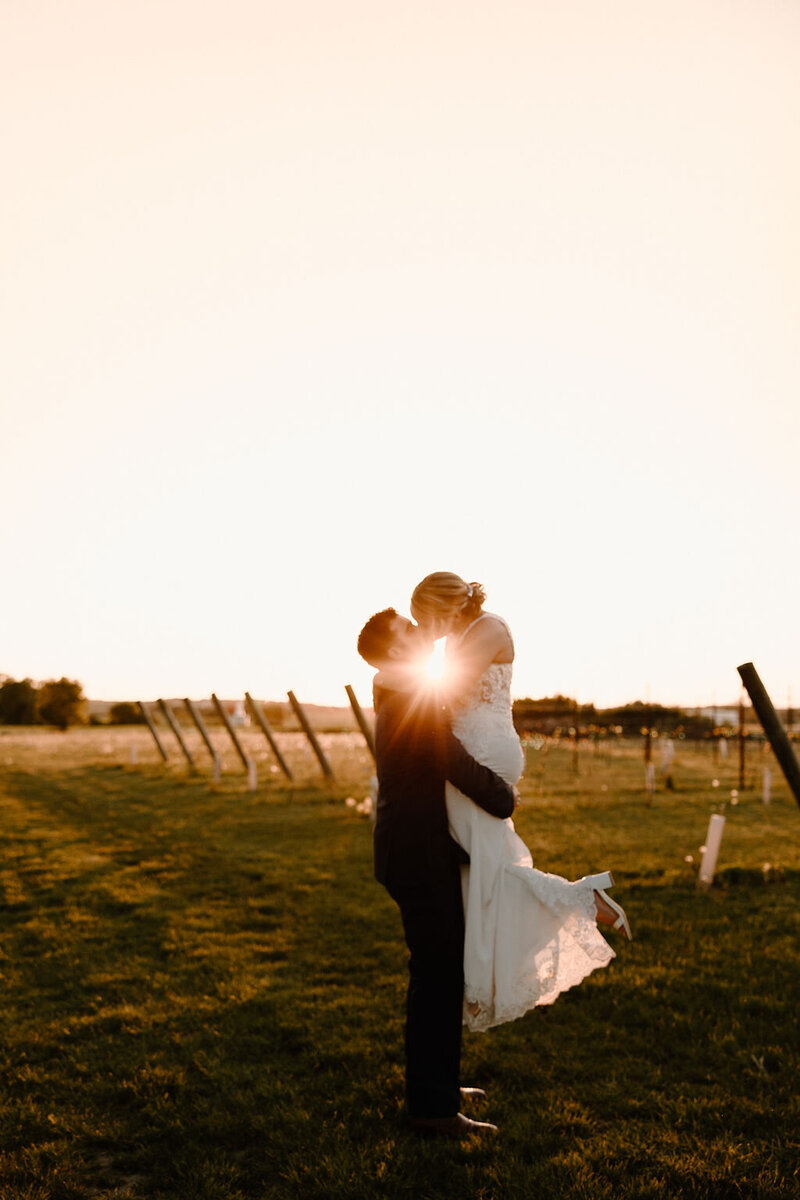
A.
pixel 416 752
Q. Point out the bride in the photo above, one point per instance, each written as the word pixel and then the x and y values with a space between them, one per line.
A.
pixel 529 935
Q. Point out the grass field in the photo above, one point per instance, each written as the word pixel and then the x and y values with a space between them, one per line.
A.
pixel 203 987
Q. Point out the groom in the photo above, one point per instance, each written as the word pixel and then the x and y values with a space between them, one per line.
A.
pixel 419 863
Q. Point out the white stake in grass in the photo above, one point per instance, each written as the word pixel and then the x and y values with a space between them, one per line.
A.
pixel 766 786
pixel 134 755
pixel 650 778
pixel 711 850
pixel 252 776
pixel 667 754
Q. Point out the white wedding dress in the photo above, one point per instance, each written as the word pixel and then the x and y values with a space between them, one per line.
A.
pixel 529 935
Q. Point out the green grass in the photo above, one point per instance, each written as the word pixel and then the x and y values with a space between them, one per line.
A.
pixel 203 990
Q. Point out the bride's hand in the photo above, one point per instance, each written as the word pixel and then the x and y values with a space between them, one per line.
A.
pixel 517 798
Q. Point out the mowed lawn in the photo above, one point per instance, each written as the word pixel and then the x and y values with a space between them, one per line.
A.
pixel 203 988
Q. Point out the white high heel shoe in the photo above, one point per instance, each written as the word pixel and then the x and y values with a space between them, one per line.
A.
pixel 598 882
pixel 622 923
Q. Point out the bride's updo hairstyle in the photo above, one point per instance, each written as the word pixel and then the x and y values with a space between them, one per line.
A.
pixel 443 596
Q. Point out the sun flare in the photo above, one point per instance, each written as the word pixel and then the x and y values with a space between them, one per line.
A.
pixel 435 666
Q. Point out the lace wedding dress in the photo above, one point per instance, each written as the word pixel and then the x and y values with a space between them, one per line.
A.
pixel 529 935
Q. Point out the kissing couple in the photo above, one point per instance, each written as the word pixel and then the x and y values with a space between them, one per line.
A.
pixel 489 935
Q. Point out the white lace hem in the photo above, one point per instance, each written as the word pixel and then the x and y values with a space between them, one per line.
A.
pixel 574 949
pixel 534 994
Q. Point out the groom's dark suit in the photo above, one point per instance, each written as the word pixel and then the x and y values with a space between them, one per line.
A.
pixel 419 864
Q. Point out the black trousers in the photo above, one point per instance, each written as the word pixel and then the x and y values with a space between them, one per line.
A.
pixel 433 921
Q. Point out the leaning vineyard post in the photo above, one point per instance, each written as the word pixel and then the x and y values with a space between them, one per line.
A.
pixel 174 726
pixel 194 713
pixel 226 721
pixel 312 737
pixel 149 723
pixel 257 711
pixel 770 722
pixel 363 723
pixel 742 742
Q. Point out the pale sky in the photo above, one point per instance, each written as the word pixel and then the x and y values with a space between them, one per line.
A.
pixel 303 301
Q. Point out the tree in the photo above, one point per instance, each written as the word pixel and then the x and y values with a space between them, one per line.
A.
pixel 17 702
pixel 276 713
pixel 550 713
pixel 61 703
pixel 125 713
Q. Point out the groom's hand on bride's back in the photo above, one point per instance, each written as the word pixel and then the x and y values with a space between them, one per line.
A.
pixel 517 797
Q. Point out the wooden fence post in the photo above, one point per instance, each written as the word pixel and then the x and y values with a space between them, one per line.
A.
pixel 226 721
pixel 195 714
pixel 770 723
pixel 309 732
pixel 363 723
pixel 258 712
pixel 173 724
pixel 149 722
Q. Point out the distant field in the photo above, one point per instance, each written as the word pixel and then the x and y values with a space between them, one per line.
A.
pixel 113 744
pixel 203 987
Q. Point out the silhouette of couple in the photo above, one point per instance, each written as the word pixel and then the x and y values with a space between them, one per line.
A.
pixel 489 935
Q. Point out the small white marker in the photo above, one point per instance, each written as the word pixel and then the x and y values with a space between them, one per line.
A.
pixel 711 850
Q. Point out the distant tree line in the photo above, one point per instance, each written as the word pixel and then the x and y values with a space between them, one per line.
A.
pixel 58 702
pixel 61 703
pixel 125 713
pixel 560 712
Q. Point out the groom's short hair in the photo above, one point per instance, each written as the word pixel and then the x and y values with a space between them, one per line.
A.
pixel 377 636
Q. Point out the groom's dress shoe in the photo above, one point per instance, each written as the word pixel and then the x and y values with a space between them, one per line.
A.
pixel 458 1126
pixel 468 1093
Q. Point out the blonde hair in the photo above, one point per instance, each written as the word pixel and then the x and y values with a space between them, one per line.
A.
pixel 443 595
